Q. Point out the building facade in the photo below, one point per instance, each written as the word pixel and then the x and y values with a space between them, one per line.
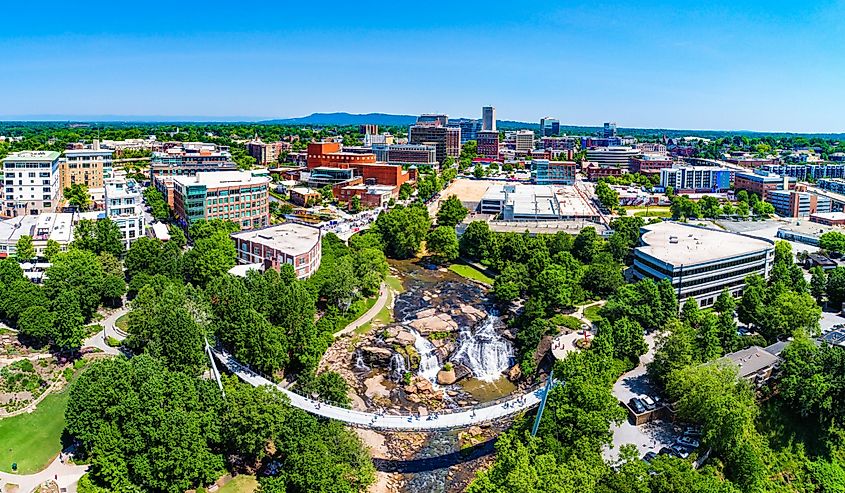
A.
pixel 700 262
pixel 547 172
pixel 523 141
pixel 611 156
pixel 237 196
pixel 549 126
pixel 266 153
pixel 488 118
pixel 294 244
pixel 420 155
pixel 649 164
pixel 488 144
pixel 85 166
pixel 124 206
pixel 445 140
pixel 696 179
pixel 761 182
pixel 186 160
pixel 32 183
pixel 798 203
pixel 331 155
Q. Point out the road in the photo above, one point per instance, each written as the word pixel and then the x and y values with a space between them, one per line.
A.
pixel 384 296
pixel 392 422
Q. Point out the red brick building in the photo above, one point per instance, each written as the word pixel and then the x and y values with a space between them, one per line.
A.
pixel 289 243
pixel 330 155
pixel 595 172
pixel 649 164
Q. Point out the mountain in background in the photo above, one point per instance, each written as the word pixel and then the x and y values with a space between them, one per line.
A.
pixel 374 119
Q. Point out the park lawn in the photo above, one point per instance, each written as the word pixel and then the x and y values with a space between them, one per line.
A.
pixel 34 439
pixel 242 483
pixel 471 272
pixel 122 322
pixel 395 284
pixel 383 317
pixel 591 313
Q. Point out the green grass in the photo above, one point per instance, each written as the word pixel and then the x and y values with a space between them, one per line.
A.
pixel 471 272
pixel 33 439
pixel 653 214
pixel 395 284
pixel 591 313
pixel 122 322
pixel 242 483
pixel 383 317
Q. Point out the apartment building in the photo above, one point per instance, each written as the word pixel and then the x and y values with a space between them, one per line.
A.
pixel 696 179
pixel 32 183
pixel 290 243
pixel 186 160
pixel 266 153
pixel 85 166
pixel 124 205
pixel 237 196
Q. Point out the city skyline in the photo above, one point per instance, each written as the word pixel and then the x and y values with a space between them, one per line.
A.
pixel 713 66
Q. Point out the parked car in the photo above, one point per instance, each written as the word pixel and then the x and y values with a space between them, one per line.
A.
pixel 649 456
pixel 665 451
pixel 637 405
pixel 648 402
pixel 688 441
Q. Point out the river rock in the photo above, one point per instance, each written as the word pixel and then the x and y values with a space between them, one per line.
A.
pixel 514 373
pixel 445 377
pixel 473 312
pixel 405 338
pixel 376 356
pixel 424 385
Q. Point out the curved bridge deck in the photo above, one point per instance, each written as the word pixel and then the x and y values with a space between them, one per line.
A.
pixel 446 420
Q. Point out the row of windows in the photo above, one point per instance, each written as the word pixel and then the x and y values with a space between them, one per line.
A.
pixel 704 280
pixel 701 270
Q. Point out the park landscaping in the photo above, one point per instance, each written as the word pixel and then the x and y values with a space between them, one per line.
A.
pixel 33 440
pixel 471 272
pixel 591 313
pixel 242 483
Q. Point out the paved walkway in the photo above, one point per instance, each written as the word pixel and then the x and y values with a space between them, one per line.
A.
pixel 98 340
pixel 384 295
pixel 65 475
pixel 393 422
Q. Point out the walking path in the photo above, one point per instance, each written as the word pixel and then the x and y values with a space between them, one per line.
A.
pixel 463 418
pixel 384 295
pixel 99 339
pixel 64 474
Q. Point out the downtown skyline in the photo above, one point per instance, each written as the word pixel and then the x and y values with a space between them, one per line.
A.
pixel 713 66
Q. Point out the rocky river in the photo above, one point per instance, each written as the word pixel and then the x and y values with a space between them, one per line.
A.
pixel 445 347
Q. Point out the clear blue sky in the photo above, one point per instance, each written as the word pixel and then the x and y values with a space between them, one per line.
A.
pixel 720 64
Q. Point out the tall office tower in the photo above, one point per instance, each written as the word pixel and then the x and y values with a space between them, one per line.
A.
pixel 433 118
pixel 549 126
pixel 609 130
pixel 368 129
pixel 488 118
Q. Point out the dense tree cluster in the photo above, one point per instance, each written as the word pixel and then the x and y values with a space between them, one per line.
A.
pixel 402 230
pixel 683 207
pixel 145 427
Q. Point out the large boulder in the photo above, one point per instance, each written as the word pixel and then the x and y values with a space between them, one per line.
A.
pixel 376 356
pixel 514 373
pixel 446 377
pixel 405 338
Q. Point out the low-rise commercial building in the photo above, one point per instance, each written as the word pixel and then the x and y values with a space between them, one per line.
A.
pixel 186 160
pixel 594 171
pixel 558 143
pixel 798 203
pixel 547 172
pixel 290 243
pixel 836 185
pixel 617 156
pixel 700 262
pixel 304 196
pixel 538 203
pixel 32 183
pixel 371 196
pixel 829 218
pixel 649 164
pixel 56 226
pixel 761 182
pixel 237 196
pixel 411 154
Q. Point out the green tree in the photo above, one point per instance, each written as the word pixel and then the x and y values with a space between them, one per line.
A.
pixel 476 242
pixel 402 230
pixel 52 249
pixel 77 196
pixel 79 272
pixel 675 349
pixel 818 284
pixel 36 322
pixel 587 245
pixel 832 241
pixel 442 244
pixel 68 331
pixel 355 205
pixel 211 257
pixel 606 195
pixel 23 248
pixel 451 212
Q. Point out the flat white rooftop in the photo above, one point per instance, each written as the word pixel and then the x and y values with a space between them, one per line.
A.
pixel 291 238
pixel 682 244
pixel 56 226
pixel 831 216
pixel 28 156
pixel 214 179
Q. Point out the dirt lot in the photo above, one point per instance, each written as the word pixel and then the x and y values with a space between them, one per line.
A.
pixel 469 191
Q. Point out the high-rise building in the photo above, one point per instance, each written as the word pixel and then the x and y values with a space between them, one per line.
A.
pixel 549 126
pixel 488 118
pixel 237 196
pixel 85 166
pixel 609 130
pixel 31 183
pixel 433 118
pixel 445 140
pixel 469 128
pixel 488 144
pixel 410 154
pixel 368 129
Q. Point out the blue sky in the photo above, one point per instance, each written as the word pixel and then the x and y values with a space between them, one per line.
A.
pixel 756 65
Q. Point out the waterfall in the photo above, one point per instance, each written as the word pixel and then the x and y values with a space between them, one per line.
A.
pixel 429 364
pixel 397 367
pixel 485 352
pixel 359 361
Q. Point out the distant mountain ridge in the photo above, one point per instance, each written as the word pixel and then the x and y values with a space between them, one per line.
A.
pixel 386 119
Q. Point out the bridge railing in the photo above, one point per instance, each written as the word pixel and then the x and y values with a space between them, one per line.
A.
pixel 385 411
